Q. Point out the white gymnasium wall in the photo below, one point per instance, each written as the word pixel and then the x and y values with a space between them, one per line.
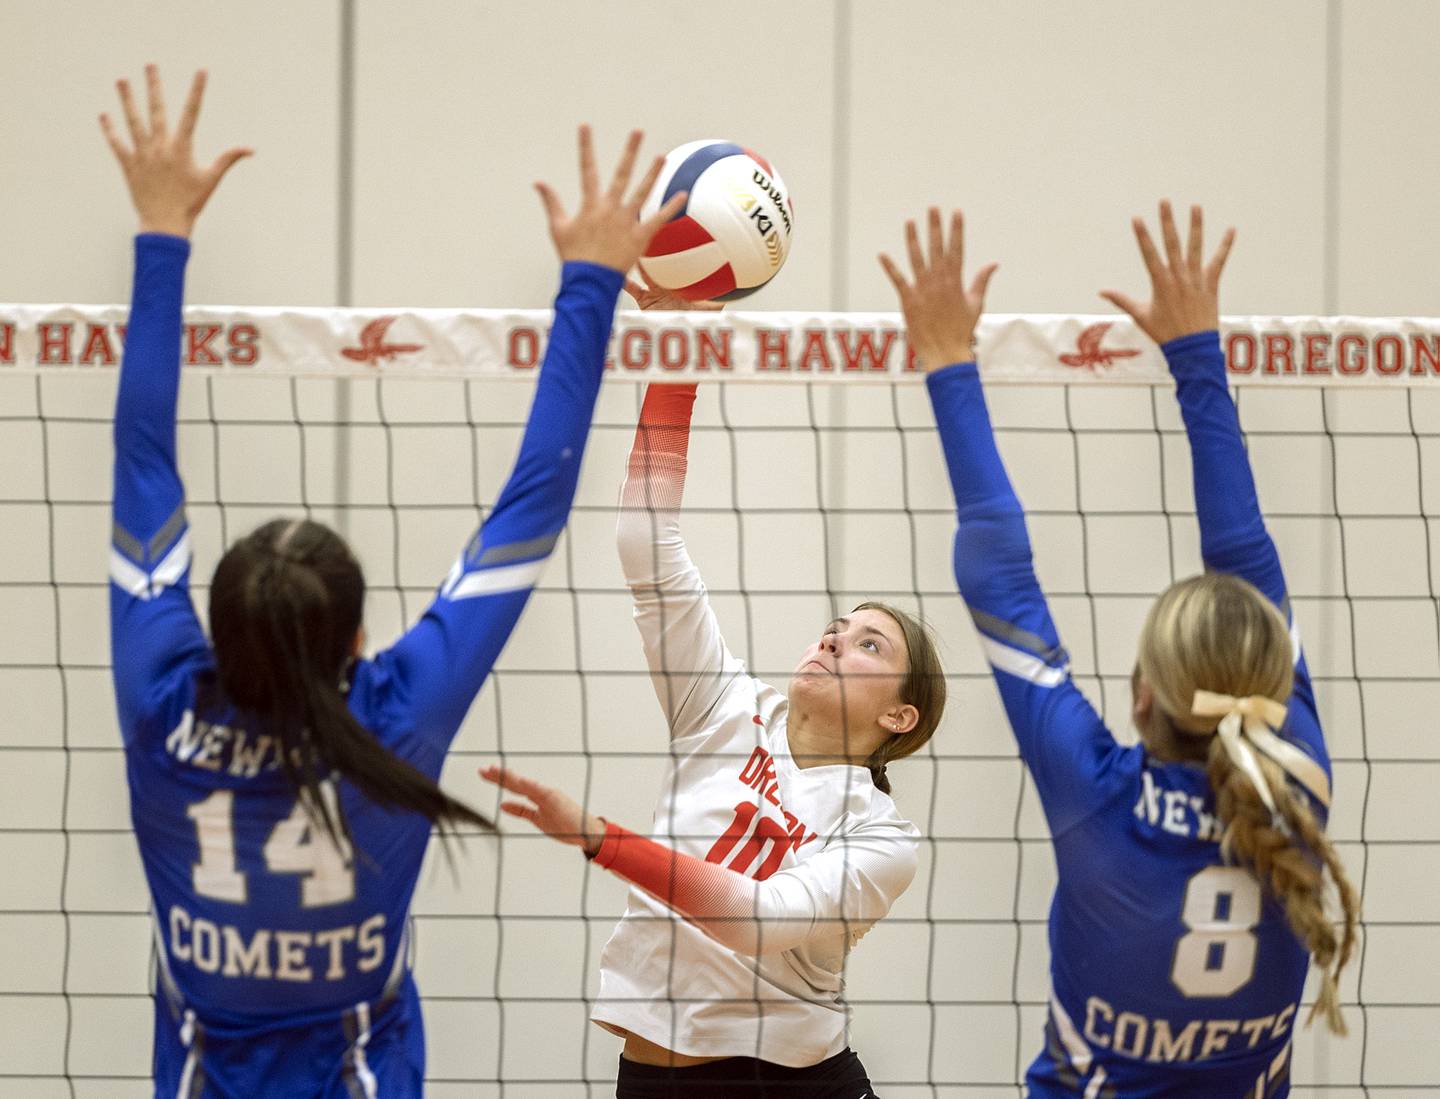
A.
pixel 1306 123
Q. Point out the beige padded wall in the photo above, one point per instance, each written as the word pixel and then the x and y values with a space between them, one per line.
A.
pixel 1050 122
pixel 66 221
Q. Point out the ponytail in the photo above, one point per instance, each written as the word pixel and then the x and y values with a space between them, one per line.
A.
pixel 1218 633
pixel 285 608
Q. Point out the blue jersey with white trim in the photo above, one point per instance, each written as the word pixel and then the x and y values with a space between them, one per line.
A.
pixel 1172 973
pixel 261 921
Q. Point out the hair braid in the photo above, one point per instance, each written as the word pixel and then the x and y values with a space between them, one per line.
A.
pixel 1293 871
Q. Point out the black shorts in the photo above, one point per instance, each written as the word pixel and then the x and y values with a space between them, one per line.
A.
pixel 838 1077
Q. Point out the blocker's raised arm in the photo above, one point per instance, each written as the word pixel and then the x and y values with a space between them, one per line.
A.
pixel 154 630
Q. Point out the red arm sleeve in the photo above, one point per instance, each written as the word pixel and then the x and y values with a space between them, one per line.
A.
pixel 848 886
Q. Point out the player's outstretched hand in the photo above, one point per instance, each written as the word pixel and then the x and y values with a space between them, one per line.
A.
pixel 607 228
pixel 557 815
pixel 941 312
pixel 166 185
pixel 657 297
pixel 1184 289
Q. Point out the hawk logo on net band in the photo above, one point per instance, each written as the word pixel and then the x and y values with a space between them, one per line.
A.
pixel 1090 354
pixel 373 349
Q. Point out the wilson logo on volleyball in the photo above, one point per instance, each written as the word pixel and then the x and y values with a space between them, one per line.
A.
pixel 1090 355
pixel 373 349
pixel 751 205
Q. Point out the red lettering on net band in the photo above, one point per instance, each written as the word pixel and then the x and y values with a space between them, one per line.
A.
pixel 772 349
pixel 55 344
pixel 863 354
pixel 635 348
pixel 198 341
pixel 815 355
pixel 714 349
pixel 1348 363
pixel 1316 346
pixel 673 346
pixel 1240 353
pixel 98 350
pixel 1279 353
pixel 1426 353
pixel 522 350
pixel 244 342
pixel 1394 361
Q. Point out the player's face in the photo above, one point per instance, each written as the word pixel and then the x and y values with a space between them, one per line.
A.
pixel 858 665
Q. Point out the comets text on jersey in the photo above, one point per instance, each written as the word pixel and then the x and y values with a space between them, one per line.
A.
pixel 268 954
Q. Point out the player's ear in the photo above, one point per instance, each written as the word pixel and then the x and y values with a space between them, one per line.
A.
pixel 358 645
pixel 1142 700
pixel 900 719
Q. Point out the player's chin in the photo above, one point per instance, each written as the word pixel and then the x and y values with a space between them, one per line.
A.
pixel 811 681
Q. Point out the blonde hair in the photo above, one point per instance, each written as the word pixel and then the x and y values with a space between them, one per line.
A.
pixel 1218 633
pixel 923 688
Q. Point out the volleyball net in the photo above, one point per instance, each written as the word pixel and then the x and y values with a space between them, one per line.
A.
pixel 815 482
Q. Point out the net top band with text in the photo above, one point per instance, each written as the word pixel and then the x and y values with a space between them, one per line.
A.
pixel 754 346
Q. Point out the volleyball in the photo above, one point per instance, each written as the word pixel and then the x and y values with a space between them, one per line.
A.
pixel 733 233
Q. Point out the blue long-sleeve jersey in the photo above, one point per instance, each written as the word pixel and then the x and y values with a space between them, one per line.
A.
pixel 261 921
pixel 1172 973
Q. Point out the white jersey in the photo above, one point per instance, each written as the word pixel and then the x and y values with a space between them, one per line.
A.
pixel 833 845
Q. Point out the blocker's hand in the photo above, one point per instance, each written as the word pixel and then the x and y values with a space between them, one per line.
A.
pixel 166 185
pixel 554 813
pixel 657 297
pixel 607 228
pixel 1185 291
pixel 940 312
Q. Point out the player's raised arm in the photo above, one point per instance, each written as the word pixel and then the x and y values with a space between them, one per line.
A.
pixel 439 665
pixel 153 625
pixel 690 664
pixel 1183 317
pixel 1061 737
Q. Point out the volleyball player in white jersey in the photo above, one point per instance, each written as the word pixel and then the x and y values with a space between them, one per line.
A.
pixel 775 837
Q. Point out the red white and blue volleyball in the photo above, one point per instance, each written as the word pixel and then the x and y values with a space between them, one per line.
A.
pixel 732 236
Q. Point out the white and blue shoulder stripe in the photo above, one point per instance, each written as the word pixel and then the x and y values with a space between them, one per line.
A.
pixel 493 570
pixel 145 569
pixel 1020 653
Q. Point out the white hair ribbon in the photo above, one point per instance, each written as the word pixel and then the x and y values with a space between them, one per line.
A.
pixel 1256 717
